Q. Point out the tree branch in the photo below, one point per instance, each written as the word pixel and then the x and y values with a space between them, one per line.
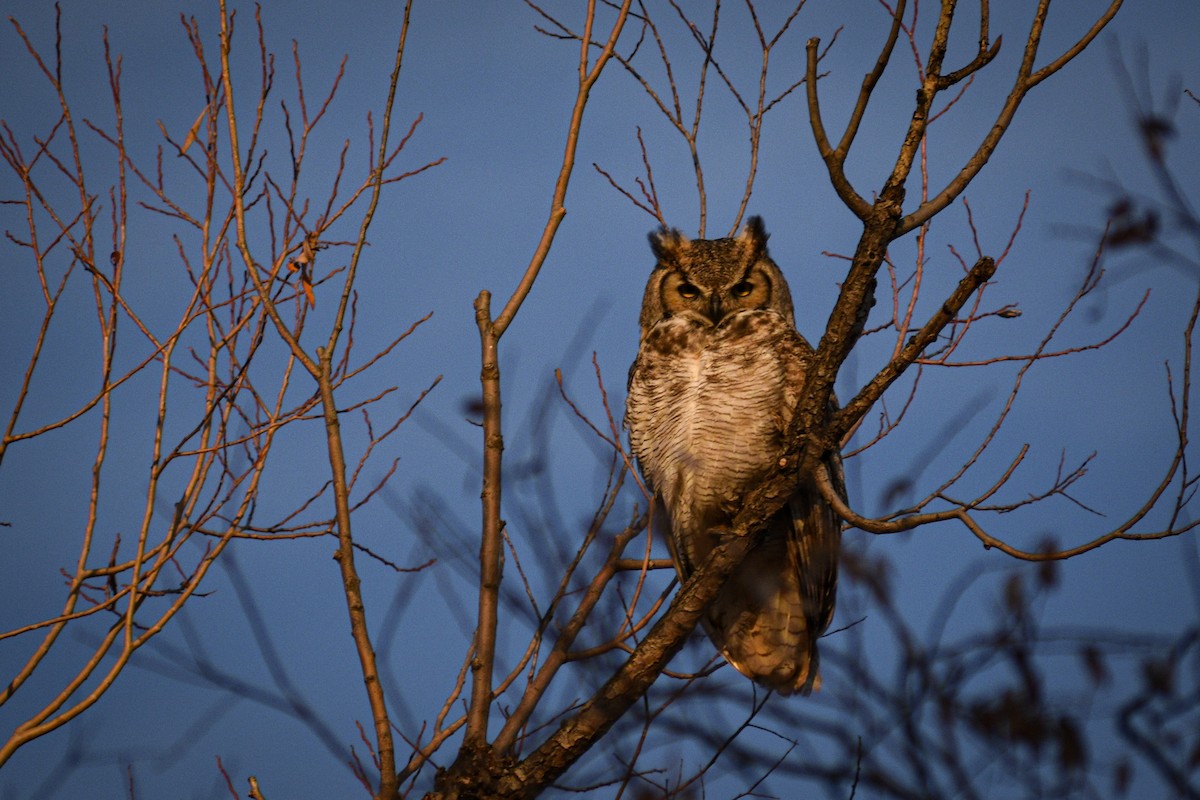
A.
pixel 853 411
pixel 579 733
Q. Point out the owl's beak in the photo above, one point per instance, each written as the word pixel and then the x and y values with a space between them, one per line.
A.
pixel 714 311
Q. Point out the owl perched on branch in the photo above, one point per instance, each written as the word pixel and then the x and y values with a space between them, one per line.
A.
pixel 718 372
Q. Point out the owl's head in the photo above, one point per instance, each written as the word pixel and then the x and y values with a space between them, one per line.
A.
pixel 710 279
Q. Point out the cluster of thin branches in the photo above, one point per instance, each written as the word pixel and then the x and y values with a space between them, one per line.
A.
pixel 227 370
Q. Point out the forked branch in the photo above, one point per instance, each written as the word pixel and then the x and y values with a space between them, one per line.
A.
pixel 474 756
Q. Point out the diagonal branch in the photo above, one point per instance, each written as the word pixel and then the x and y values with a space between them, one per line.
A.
pixel 587 79
pixel 579 733
pixel 849 416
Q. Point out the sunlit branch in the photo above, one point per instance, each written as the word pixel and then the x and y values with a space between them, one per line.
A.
pixel 490 331
pixel 869 394
pixel 1026 79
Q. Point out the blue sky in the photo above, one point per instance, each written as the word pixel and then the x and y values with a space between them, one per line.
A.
pixel 495 97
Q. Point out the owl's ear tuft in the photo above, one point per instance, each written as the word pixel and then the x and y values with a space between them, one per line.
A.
pixel 667 244
pixel 754 237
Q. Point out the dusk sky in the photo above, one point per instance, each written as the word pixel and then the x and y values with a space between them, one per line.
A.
pixel 495 98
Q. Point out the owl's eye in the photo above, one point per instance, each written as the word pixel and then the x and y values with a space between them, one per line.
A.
pixel 742 289
pixel 688 291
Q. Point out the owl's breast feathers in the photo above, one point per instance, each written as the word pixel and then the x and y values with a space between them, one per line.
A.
pixel 709 405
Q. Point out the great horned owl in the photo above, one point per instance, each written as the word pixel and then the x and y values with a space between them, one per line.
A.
pixel 718 372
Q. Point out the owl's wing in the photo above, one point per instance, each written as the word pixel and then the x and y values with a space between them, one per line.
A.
pixel 814 548
pixel 816 530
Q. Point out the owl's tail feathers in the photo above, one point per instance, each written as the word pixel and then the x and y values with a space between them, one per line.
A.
pixel 769 614
pixel 800 676
pixel 762 621
pixel 807 678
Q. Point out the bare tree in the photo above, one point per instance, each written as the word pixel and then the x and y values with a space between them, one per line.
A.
pixel 232 357
pixel 573 649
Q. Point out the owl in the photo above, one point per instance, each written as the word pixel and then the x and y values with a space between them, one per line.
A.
pixel 719 369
